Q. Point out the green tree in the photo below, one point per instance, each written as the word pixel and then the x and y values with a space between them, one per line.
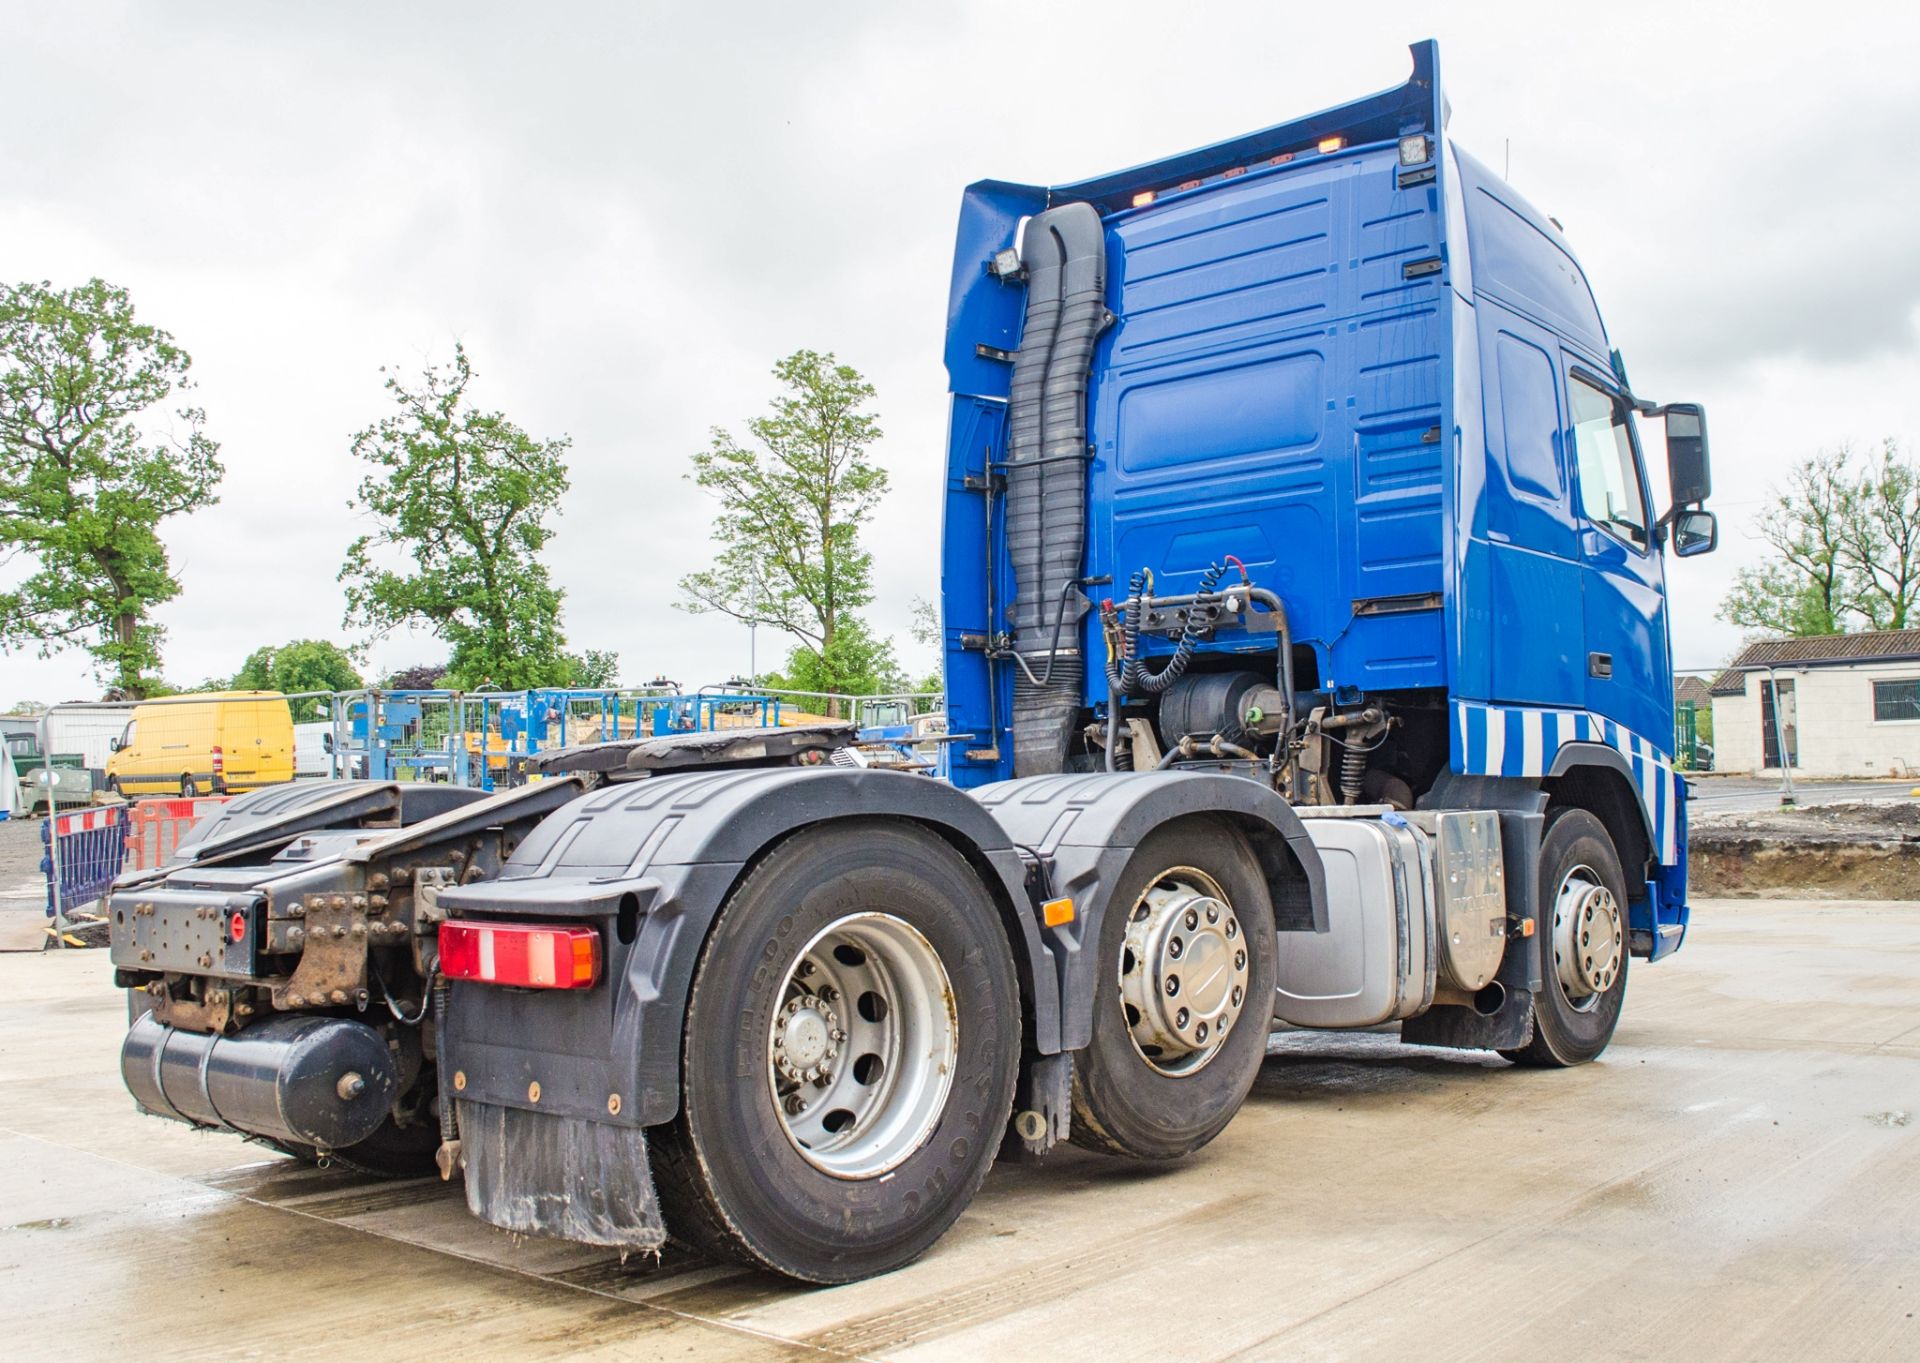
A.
pixel 927 633
pixel 85 482
pixel 595 668
pixel 1881 539
pixel 301 665
pixel 1844 533
pixel 791 506
pixel 460 500
pixel 854 664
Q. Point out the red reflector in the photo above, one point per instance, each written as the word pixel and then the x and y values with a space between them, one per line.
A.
pixel 237 927
pixel 530 955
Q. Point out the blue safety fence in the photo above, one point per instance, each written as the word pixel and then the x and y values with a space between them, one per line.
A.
pixel 93 846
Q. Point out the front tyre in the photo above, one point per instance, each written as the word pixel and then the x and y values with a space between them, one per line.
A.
pixel 1582 941
pixel 848 1064
pixel 1185 990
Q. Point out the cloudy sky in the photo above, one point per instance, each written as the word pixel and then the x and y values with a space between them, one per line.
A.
pixel 627 212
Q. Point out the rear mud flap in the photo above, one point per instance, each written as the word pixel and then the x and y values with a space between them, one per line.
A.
pixel 539 1174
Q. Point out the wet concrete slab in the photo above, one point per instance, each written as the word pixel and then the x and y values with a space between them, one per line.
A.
pixel 1738 1178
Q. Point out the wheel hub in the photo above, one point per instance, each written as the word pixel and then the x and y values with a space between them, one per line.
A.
pixel 808 1039
pixel 1183 972
pixel 1589 940
pixel 862 1046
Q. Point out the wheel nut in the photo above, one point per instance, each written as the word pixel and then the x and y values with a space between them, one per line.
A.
pixel 1193 920
pixel 1180 1018
pixel 1175 947
pixel 1213 914
pixel 1200 1032
pixel 1173 985
pixel 1239 960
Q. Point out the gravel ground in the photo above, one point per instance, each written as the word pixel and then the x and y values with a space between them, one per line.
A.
pixel 1855 850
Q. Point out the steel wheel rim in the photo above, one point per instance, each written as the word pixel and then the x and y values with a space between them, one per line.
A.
pixel 1183 971
pixel 862 1047
pixel 1589 939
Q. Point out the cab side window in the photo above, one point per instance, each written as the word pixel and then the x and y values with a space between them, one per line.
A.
pixel 1603 449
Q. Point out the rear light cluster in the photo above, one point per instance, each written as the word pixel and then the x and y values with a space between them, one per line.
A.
pixel 219 762
pixel 528 955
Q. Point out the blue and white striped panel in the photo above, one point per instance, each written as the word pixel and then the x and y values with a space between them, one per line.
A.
pixel 1511 740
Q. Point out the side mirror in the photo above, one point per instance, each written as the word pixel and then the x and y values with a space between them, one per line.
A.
pixel 1688 473
pixel 1695 532
pixel 326 743
pixel 114 745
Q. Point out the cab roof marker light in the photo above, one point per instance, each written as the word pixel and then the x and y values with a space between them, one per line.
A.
pixel 1143 198
pixel 1334 143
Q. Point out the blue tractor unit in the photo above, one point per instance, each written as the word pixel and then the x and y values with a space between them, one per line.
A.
pixel 1307 662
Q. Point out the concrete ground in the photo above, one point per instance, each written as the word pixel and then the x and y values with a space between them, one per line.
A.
pixel 1736 1179
pixel 23 886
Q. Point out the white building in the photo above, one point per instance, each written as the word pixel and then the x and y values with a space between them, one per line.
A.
pixel 1848 705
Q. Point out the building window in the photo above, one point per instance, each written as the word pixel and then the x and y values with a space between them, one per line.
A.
pixel 1896 699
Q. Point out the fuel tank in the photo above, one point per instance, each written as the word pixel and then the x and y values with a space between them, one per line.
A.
pixel 316 1081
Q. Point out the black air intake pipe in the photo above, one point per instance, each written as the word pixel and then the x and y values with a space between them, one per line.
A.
pixel 1064 253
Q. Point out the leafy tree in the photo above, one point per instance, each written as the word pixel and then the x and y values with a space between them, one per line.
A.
pixel 423 677
pixel 302 665
pixel 854 664
pixel 791 507
pixel 84 485
pixel 595 669
pixel 1881 538
pixel 927 633
pixel 463 497
pixel 1845 536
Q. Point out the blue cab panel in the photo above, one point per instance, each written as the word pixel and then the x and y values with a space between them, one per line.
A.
pixel 1345 354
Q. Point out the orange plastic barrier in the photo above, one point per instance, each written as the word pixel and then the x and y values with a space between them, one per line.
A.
pixel 155 827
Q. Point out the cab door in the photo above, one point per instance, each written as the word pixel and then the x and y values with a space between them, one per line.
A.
pixel 1529 623
pixel 1629 674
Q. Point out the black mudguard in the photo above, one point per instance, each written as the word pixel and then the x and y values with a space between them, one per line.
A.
pixel 1082 830
pixel 650 863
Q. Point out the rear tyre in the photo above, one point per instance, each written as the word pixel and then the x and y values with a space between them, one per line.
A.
pixel 1582 944
pixel 188 788
pixel 849 1055
pixel 1185 990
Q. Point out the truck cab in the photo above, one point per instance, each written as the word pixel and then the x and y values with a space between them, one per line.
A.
pixel 1340 361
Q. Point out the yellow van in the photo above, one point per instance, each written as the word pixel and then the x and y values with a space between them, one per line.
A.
pixel 211 744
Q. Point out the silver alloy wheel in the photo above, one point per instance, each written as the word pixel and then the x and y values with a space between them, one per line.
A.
pixel 863 1045
pixel 1589 940
pixel 1183 971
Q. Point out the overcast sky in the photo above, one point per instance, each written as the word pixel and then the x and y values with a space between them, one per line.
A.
pixel 628 212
